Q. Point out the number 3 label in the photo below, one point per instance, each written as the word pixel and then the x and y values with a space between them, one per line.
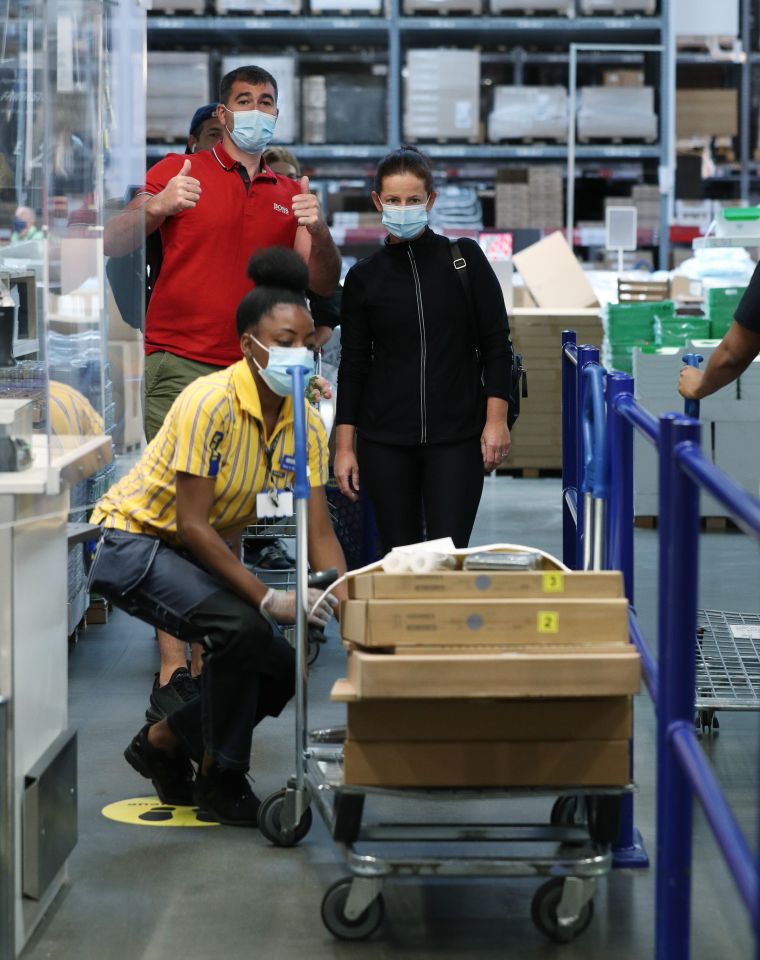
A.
pixel 548 622
pixel 554 583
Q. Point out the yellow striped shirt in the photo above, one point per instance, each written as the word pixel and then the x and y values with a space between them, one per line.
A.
pixel 71 413
pixel 214 428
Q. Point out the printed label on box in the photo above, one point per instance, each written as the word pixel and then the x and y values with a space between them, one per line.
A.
pixel 548 622
pixel 554 582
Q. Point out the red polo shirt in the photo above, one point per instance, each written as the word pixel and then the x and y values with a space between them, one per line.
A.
pixel 206 251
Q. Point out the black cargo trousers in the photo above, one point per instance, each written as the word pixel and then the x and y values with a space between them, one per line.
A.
pixel 248 665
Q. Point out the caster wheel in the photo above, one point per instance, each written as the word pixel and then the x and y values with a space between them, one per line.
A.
pixel 604 818
pixel 544 913
pixel 270 822
pixel 334 917
pixel 568 811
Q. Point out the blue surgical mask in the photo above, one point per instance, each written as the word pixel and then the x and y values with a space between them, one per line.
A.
pixel 252 131
pixel 405 223
pixel 275 374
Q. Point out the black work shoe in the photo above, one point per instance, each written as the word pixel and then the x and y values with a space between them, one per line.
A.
pixel 178 691
pixel 171 776
pixel 273 556
pixel 226 796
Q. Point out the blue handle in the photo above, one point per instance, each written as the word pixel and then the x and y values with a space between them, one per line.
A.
pixel 301 488
pixel 594 434
pixel 691 407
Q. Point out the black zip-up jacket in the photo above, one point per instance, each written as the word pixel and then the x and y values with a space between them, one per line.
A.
pixel 409 373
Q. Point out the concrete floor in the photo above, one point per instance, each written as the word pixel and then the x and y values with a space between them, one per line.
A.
pixel 139 893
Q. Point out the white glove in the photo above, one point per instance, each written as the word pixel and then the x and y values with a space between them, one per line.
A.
pixel 281 606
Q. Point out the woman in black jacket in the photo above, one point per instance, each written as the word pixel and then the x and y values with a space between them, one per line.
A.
pixel 427 412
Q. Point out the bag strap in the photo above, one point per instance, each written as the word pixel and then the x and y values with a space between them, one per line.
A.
pixel 460 266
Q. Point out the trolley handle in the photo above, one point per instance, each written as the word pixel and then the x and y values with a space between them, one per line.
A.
pixel 594 424
pixel 691 407
pixel 301 488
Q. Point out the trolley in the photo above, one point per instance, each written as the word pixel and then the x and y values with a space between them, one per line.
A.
pixel 571 856
pixel 728 647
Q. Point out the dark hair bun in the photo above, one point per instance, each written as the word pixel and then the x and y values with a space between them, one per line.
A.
pixel 279 268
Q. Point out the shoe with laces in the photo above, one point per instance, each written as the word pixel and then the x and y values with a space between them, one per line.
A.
pixel 271 556
pixel 226 796
pixel 172 776
pixel 180 689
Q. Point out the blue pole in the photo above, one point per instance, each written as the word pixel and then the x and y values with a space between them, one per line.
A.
pixel 569 448
pixel 677 625
pixel 586 354
pixel 301 487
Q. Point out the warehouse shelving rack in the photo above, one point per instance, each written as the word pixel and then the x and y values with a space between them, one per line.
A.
pixel 393 34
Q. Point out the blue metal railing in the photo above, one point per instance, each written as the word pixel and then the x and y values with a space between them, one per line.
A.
pixel 683 770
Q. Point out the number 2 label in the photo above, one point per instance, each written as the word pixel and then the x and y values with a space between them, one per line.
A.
pixel 548 622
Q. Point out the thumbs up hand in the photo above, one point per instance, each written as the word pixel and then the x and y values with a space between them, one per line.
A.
pixel 306 209
pixel 182 192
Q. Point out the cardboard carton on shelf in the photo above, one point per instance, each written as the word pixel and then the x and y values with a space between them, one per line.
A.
pixel 486 584
pixel 518 675
pixel 491 764
pixel 707 113
pixel 545 620
pixel 553 276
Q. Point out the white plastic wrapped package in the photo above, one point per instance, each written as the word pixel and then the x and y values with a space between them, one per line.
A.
pixel 520 112
pixel 719 266
pixel 609 112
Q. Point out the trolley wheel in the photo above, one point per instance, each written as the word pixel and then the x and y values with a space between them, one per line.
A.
pixel 568 811
pixel 313 652
pixel 543 911
pixel 336 921
pixel 604 813
pixel 270 822
pixel 707 721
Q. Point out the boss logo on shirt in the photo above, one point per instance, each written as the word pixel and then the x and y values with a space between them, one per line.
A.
pixel 216 457
pixel 280 209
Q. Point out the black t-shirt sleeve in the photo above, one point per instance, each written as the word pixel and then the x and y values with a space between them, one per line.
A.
pixel 325 311
pixel 748 312
pixel 355 351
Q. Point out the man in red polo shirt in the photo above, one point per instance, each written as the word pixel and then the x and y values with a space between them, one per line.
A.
pixel 214 210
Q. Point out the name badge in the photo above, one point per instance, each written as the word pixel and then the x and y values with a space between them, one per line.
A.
pixel 288 462
pixel 274 504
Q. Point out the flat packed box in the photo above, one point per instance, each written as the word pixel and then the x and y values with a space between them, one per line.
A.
pixel 442 94
pixel 425 721
pixel 258 6
pixel 486 585
pixel 340 6
pixel 283 69
pixel 548 620
pixel 446 6
pixel 605 112
pixel 707 113
pixel 590 7
pixel 523 112
pixel 553 275
pixel 177 84
pixel 522 675
pixel 494 764
pixel 566 7
pixel 623 78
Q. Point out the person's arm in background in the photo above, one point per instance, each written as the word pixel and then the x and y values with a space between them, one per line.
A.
pixel 314 242
pixel 355 359
pixel 169 189
pixel 496 352
pixel 730 358
pixel 325 312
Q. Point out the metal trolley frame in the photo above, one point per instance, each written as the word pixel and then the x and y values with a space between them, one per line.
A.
pixel 574 855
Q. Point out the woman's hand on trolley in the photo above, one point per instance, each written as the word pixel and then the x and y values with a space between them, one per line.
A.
pixel 495 443
pixel 281 606
pixel 346 470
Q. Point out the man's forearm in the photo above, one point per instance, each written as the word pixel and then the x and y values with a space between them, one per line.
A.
pixel 211 550
pixel 324 263
pixel 127 230
pixel 722 368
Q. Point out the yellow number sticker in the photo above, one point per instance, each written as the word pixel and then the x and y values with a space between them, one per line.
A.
pixel 548 622
pixel 554 582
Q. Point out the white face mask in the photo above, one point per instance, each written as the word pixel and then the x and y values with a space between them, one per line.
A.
pixel 275 374
pixel 253 129
pixel 405 223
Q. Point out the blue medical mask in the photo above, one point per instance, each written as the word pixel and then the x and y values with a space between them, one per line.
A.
pixel 405 223
pixel 253 130
pixel 275 374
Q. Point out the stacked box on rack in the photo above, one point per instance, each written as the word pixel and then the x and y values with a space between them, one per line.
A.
pixel 617 112
pixel 707 113
pixel 623 78
pixel 629 325
pixel 529 198
pixel 176 6
pixel 646 200
pixel 496 679
pixel 178 83
pixel 590 7
pixel 443 6
pixel 721 304
pixel 259 6
pixel 442 95
pixel 537 335
pixel 566 7
pixel 528 112
pixel 283 69
pixel 314 112
pixel 341 6
pixel 343 108
pixel 677 331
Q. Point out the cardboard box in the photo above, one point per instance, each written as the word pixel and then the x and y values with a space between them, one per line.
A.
pixel 553 276
pixel 517 675
pixel 399 623
pixel 442 94
pixel 505 764
pixel 707 113
pixel 623 78
pixel 601 718
pixel 485 585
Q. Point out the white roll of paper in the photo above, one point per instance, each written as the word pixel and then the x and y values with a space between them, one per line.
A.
pixel 430 562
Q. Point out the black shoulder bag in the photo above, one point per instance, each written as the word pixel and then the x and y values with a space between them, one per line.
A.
pixel 518 381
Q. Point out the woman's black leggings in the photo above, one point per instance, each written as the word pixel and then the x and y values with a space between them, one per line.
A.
pixel 422 491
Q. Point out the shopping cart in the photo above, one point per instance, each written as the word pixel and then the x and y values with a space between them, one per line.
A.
pixel 570 856
pixel 728 648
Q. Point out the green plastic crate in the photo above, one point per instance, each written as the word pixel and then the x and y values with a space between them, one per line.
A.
pixel 721 301
pixel 678 331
